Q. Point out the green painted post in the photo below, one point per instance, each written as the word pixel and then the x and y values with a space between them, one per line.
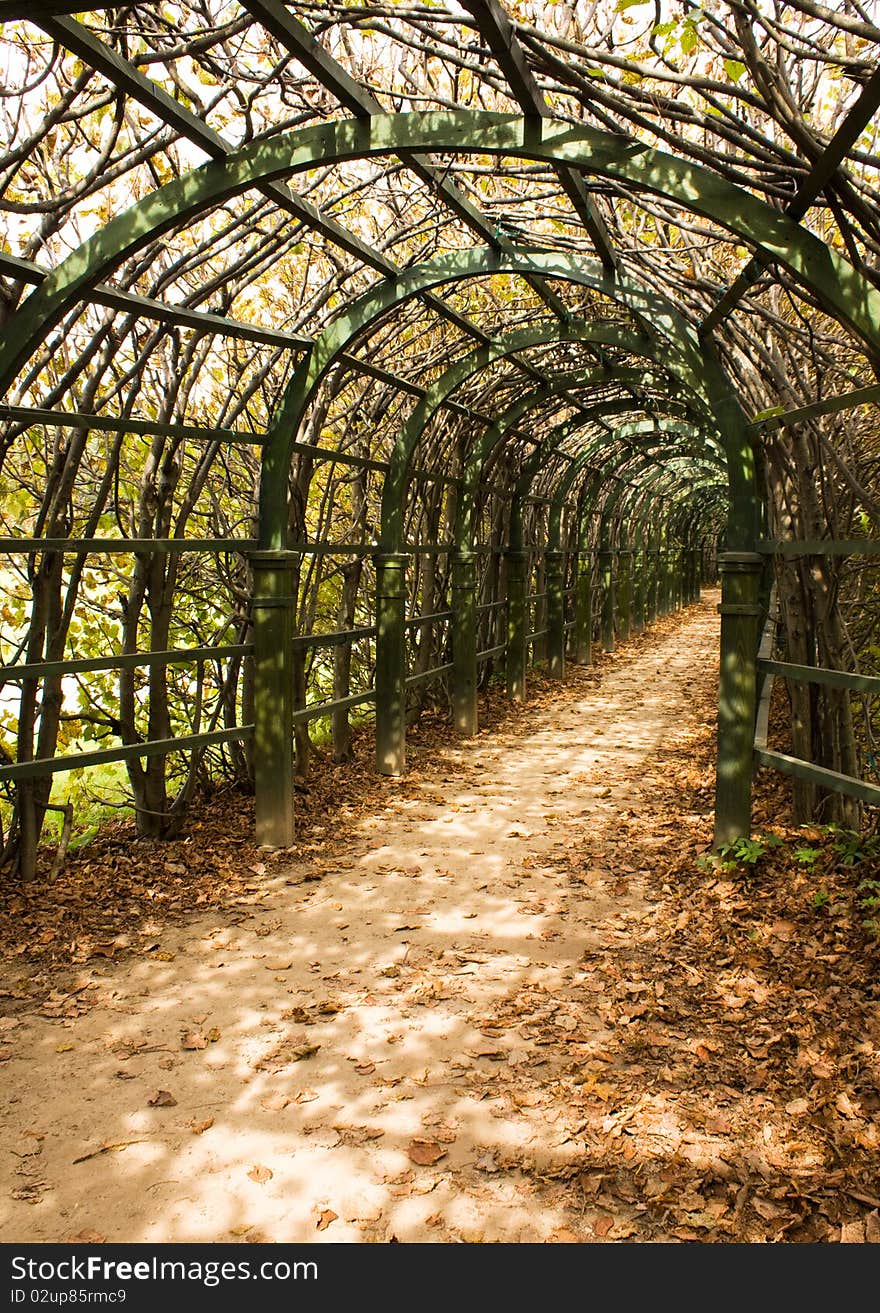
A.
pixel 554 562
pixel 390 662
pixel 624 592
pixel 464 642
pixel 740 619
pixel 517 617
pixel 273 756
pixel 678 578
pixel 606 570
pixel 640 572
pixel 666 581
pixel 583 610
pixel 652 566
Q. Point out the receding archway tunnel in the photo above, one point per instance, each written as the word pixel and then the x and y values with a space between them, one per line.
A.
pixel 550 478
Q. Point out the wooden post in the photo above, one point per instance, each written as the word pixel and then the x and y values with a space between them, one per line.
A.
pixel 583 610
pixel 273 609
pixel 624 592
pixel 640 570
pixel 555 615
pixel 740 617
pixel 390 662
pixel 517 617
pixel 606 569
pixel 464 642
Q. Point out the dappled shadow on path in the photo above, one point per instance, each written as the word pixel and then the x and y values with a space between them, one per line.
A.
pixel 500 1009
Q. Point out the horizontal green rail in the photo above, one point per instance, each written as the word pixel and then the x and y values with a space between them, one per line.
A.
pixel 125 546
pixel 304 642
pixel 320 709
pixel 425 675
pixel 419 621
pixel 30 770
pixel 820 547
pixel 828 779
pixel 819 675
pixel 125 661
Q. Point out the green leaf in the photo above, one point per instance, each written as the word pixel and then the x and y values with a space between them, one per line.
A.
pixel 734 69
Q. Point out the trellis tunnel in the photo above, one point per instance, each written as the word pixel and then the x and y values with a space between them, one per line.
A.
pixel 588 471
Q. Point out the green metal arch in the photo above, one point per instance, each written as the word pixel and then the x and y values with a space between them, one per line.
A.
pixel 697 369
pixel 493 438
pixel 846 294
pixel 571 475
pixel 464 368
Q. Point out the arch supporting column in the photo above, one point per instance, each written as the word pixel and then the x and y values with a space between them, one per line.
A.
pixel 273 610
pixel 464 641
pixel 517 622
pixel 555 576
pixel 391 662
pixel 737 693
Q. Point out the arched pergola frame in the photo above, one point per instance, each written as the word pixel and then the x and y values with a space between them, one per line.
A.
pixel 774 238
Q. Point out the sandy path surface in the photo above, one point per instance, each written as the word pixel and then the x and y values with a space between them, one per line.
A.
pixel 374 1051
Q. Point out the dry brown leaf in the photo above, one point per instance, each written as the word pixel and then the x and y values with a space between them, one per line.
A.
pixel 275 1102
pixel 303 1051
pixel 261 1174
pixel 86 1238
pixel 325 1217
pixel 199 1128
pixel 193 1039
pixel 162 1099
pixel 602 1225
pixel 425 1152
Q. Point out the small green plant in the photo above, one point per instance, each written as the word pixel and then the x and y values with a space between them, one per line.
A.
pixel 745 852
pixel 869 904
pixel 808 856
pixel 820 898
pixel 851 847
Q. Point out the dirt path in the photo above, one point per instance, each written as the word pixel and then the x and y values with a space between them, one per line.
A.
pixel 413 1045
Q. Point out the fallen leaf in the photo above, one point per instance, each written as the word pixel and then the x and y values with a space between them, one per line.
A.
pixel 325 1218
pixel 602 1225
pixel 797 1107
pixel 162 1099
pixel 213 1035
pixel 193 1040
pixel 275 1102
pixel 425 1152
pixel 86 1238
pixel 279 964
pixel 303 1051
pixel 852 1233
pixel 64 1048
pixel 165 957
pixel 261 1174
pixel 199 1128
pixel 365 1068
